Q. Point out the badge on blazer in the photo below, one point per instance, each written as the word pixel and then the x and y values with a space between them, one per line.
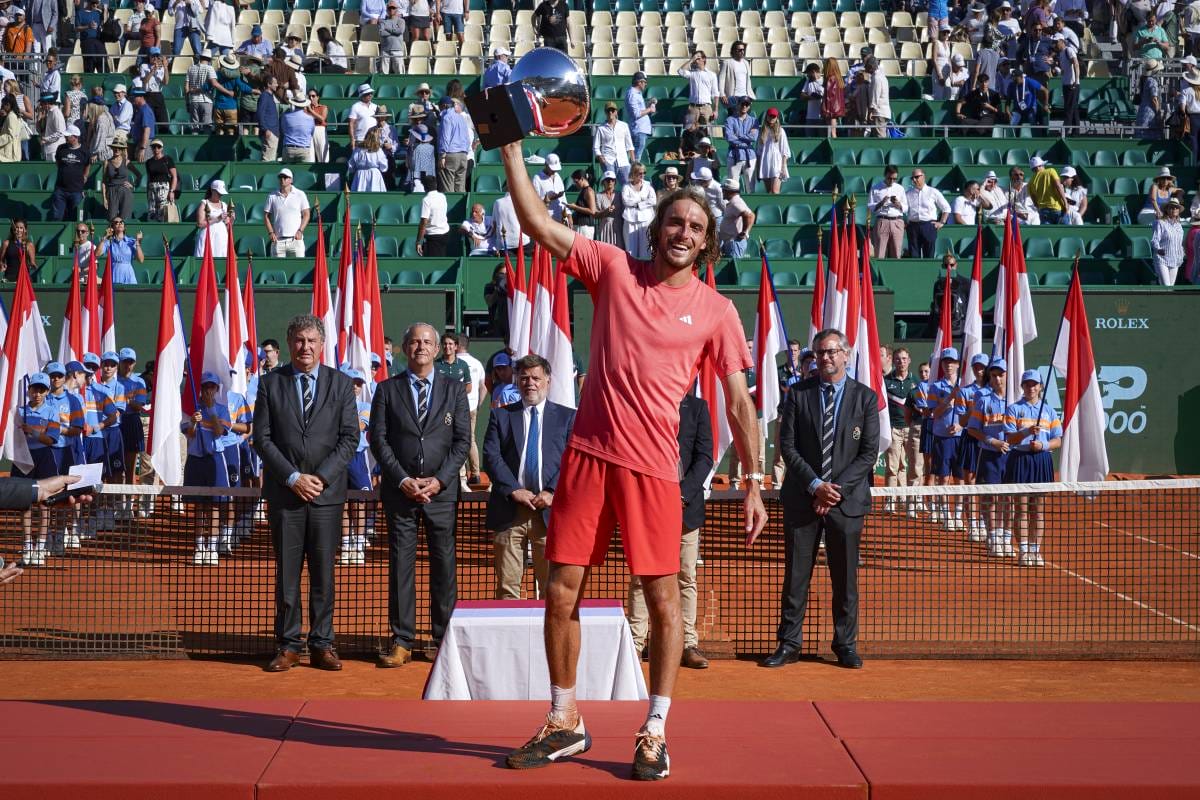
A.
pixel 449 418
pixel 856 433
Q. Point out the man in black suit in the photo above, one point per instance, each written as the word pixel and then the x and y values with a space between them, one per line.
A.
pixel 420 434
pixel 18 494
pixel 305 431
pixel 695 465
pixel 829 435
pixel 521 453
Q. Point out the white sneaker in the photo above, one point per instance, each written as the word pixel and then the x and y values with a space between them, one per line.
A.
pixel 889 506
pixel 996 548
pixel 955 524
pixel 346 557
pixel 978 532
pixel 211 558
pixel 39 557
pixel 1038 561
pixel 29 556
pixel 360 557
pixel 1026 559
pixel 1009 550
pixel 199 558
pixel 225 545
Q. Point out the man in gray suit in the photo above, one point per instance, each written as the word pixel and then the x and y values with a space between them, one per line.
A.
pixel 829 436
pixel 305 431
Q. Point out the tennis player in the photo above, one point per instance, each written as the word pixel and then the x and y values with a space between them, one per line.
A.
pixel 654 322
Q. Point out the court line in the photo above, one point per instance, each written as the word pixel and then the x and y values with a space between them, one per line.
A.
pixel 1154 542
pixel 1126 598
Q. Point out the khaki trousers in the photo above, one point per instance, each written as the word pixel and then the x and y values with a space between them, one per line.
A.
pixel 912 449
pixel 895 461
pixel 639 615
pixel 510 554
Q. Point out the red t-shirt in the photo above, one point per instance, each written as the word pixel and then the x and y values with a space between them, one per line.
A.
pixel 647 342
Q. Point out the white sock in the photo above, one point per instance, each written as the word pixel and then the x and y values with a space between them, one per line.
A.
pixel 201 542
pixel 656 717
pixel 562 704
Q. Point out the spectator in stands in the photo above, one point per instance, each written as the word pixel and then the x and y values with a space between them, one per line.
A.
pixel 1003 84
pixel 987 60
pixel 1046 191
pixel 362 114
pixel 609 211
pixel 670 180
pixel 549 186
pixel 82 242
pixel 332 58
pixel 498 72
pixel 1150 117
pixel 141 129
pixel 704 157
pixel 967 205
pixel 45 20
pixel 18 36
pixel 939 18
pixel 451 12
pixel 889 206
pixel 189 16
pixel 392 49
pixel 289 81
pixel 162 182
pixel 736 220
pixel 389 140
pixel 613 145
pixel 372 12
pixel 958 78
pixel 1068 65
pixel 939 62
pixel 296 131
pixel 878 103
pixel 495 296
pixel 976 22
pixel 638 201
pixel 268 119
pixel 154 75
pixel 734 78
pixel 741 134
pixel 477 232
pixel 1189 106
pixel 50 125
pixel 121 109
pixel 992 199
pixel 703 180
pixel 1076 195
pixel 18 242
pixel 419 20
pixel 928 211
pixel 212 220
pixel 1073 13
pixel 1162 189
pixel 100 131
pixel 813 91
pixel 433 232
pixel 74 101
pixel 1150 41
pixel 200 86
pixel 1026 97
pixel 11 131
pixel 1166 243
pixel 231 92
pixel 219 25
pixel 979 109
pixel 72 162
pixel 1041 55
pixel 286 216
pixel 367 164
pixel 256 45
pixel 638 113
pixel 550 23
pixel 833 101
pixel 320 115
pixel 583 210
pixel 1023 206
pixel 421 156
pixel 118 188
pixel 124 248
pixel 704 95
pixel 773 152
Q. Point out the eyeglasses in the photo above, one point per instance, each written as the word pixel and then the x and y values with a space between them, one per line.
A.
pixel 829 353
pixel 915 177
pixel 82 230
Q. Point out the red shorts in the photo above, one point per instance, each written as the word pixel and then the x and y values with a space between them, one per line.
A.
pixel 594 496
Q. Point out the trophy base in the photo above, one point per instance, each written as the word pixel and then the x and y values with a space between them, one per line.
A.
pixel 501 115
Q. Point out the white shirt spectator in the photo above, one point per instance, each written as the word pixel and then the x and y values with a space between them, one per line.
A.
pixel 731 218
pixel 714 195
pixel 1166 243
pixel 998 202
pixel 551 184
pixel 702 85
pixel 477 375
pixel 1067 60
pixel 218 26
pixel 880 200
pixel 505 225
pixel 1075 196
pixel 479 230
pixel 927 205
pixel 612 144
pixel 363 116
pixel 814 91
pixel 286 211
pixel 734 79
pixel 1025 208
pixel 433 211
pixel 337 55
pixel 965 211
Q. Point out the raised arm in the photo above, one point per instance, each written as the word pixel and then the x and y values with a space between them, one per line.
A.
pixel 531 211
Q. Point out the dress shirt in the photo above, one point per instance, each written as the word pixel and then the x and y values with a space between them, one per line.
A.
pixel 967 209
pixel 1168 237
pixel 251 48
pixel 412 386
pixel 613 143
pixel 880 206
pixel 839 391
pixel 635 104
pixel 927 205
pixel 299 383
pixel 496 75
pixel 454 135
pixel 742 135
pixel 702 85
pixel 122 114
pixel 541 410
pixel 297 126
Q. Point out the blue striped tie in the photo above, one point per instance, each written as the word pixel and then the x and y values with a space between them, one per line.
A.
pixel 827 434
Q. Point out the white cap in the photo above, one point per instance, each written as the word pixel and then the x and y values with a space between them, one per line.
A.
pixel 991 175
pixel 702 175
pixel 706 140
pixel 608 175
pixel 72 131
pixel 285 173
pixel 1067 172
pixel 365 88
pixel 501 51
pixel 1188 60
pixel 120 87
pixel 553 163
pixel 219 186
pixel 731 185
pixel 1058 37
pixel 1037 161
pixel 957 58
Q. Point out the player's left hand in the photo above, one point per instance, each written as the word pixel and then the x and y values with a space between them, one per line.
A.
pixel 756 514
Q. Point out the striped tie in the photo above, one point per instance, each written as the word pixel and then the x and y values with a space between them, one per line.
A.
pixel 422 399
pixel 306 395
pixel 827 434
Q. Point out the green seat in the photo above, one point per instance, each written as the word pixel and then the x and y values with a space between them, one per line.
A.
pixel 988 156
pixel 488 183
pixel 1017 156
pixel 1039 248
pixel 768 214
pixel 1056 279
pixel 1134 158
pixel 409 277
pixel 1069 246
pixel 872 156
pixel 844 158
pixel 799 214
pixel 408 249
pixel 809 278
pixel 900 155
pixel 749 278
pixel 390 214
pixel 962 155
pixel 787 279
pixel 271 277
pixel 778 249
pixel 252 245
pixel 1139 247
pixel 1126 186
pixel 387 247
pixel 29 181
pixel 1104 158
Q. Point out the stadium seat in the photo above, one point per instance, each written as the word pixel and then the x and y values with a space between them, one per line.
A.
pixel 1070 246
pixel 1056 279
pixel 786 279
pixel 799 214
pixel 409 277
pixel 1039 248
pixel 750 278
pixel 768 214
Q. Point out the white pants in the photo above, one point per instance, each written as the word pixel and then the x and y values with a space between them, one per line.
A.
pixel 1073 217
pixel 289 247
pixel 1166 274
pixel 42 41
pixel 320 145
pixel 586 231
pixel 737 169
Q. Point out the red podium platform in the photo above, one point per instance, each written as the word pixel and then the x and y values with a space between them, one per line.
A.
pixel 364 749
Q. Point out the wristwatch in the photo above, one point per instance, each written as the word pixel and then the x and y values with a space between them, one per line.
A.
pixel 755 476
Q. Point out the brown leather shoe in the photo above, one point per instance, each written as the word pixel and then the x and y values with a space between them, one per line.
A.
pixel 284 660
pixel 397 656
pixel 693 659
pixel 324 658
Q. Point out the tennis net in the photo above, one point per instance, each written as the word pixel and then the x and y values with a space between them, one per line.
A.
pixel 1116 575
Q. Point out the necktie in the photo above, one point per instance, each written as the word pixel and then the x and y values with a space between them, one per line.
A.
pixel 422 399
pixel 306 395
pixel 827 435
pixel 533 449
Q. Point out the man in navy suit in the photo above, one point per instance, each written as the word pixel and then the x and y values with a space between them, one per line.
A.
pixel 521 453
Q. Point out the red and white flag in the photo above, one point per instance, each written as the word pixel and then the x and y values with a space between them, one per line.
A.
pixel 343 296
pixel 1084 456
pixel 322 304
pixel 521 310
pixel 816 314
pixel 945 332
pixel 91 309
pixel 973 323
pixel 251 317
pixel 1015 325
pixel 540 321
pixel 108 309
pixel 209 341
pixel 869 368
pixel 560 352
pixel 769 341
pixel 837 289
pixel 70 342
pixel 853 296
pixel 25 351
pixel 374 317
pixel 357 352
pixel 166 414
pixel 235 321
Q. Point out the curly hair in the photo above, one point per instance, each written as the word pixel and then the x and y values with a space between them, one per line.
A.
pixel 711 250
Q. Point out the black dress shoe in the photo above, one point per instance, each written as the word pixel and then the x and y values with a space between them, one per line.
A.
pixel 784 654
pixel 850 659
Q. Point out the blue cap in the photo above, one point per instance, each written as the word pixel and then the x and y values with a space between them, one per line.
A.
pixel 351 372
pixel 75 366
pixel 1031 375
pixel 250 357
pixel 209 377
pixel 949 354
pixel 49 97
pixel 128 354
pixel 502 360
pixel 979 358
pixel 446 100
pixel 375 359
pixel 256 30
pixel 91 358
pixel 97 100
pixel 156 51
pixel 110 355
pixel 39 379
pixel 55 368
pixel 137 92
pixel 998 363
pixel 805 353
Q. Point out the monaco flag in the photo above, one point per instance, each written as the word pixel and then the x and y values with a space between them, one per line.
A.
pixel 209 350
pixel 837 289
pixel 1015 326
pixel 869 366
pixel 171 360
pixel 521 310
pixel 357 352
pixel 375 333
pixel 91 309
pixel 108 309
pixel 235 321
pixel 945 333
pixel 25 351
pixel 540 321
pixel 560 353
pixel 973 323
pixel 70 343
pixel 816 314
pixel 251 318
pixel 1083 456
pixel 322 304
pixel 770 339
pixel 343 302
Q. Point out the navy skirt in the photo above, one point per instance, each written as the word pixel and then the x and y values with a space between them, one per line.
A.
pixel 46 464
pixel 132 435
pixel 357 474
pixel 1025 466
pixel 990 468
pixel 251 463
pixel 106 449
pixel 202 471
pixel 926 436
pixel 945 456
pixel 968 453
pixel 66 457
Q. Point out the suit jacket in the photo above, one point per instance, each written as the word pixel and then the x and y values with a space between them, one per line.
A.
pixel 502 456
pixel 16 494
pixel 695 458
pixel 406 448
pixel 323 447
pixel 855 448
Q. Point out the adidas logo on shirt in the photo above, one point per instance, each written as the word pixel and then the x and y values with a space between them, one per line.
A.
pixel 686 319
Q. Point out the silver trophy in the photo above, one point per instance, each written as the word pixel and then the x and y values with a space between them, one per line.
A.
pixel 546 95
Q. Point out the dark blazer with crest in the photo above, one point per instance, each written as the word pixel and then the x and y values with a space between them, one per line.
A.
pixel 323 447
pixel 502 456
pixel 406 448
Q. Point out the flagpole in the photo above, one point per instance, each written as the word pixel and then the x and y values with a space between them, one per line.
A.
pixel 775 300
